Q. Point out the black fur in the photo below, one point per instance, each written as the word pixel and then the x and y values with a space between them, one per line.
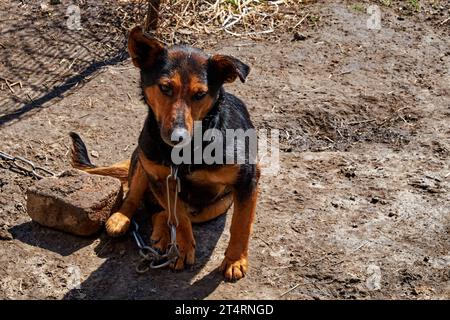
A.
pixel 227 112
pixel 80 157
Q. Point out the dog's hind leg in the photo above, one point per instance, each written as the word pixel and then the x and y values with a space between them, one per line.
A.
pixel 211 212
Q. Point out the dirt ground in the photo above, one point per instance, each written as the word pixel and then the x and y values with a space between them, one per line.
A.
pixel 359 210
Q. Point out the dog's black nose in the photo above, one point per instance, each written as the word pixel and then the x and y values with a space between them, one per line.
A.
pixel 180 137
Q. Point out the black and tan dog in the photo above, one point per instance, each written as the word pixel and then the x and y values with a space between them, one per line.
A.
pixel 181 85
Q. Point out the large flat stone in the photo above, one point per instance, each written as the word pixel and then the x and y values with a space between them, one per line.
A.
pixel 75 202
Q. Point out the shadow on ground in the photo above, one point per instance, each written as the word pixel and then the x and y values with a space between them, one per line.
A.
pixel 42 58
pixel 117 278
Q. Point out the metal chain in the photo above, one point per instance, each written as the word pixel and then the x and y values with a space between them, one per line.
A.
pixel 173 175
pixel 151 258
pixel 173 252
pixel 26 166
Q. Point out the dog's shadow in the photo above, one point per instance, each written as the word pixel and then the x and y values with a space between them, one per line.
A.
pixel 117 277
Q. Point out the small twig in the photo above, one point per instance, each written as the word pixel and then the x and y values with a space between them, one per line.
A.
pixel 360 122
pixel 315 89
pixel 402 108
pixel 264 241
pixel 282 267
pixel 300 22
pixel 433 178
pixel 99 252
pixel 353 251
pixel 446 20
pixel 16 83
pixel 404 120
pixel 70 66
pixel 249 33
pixel 9 86
pixel 244 44
pixel 345 72
pixel 316 261
pixel 293 288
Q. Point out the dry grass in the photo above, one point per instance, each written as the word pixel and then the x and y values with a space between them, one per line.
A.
pixel 179 19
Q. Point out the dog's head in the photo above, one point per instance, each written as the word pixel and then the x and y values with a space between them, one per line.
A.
pixel 180 83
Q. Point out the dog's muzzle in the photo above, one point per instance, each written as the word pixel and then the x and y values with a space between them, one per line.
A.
pixel 180 137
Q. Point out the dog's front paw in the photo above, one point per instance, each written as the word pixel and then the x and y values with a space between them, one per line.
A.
pixel 234 270
pixel 160 237
pixel 160 240
pixel 186 248
pixel 117 224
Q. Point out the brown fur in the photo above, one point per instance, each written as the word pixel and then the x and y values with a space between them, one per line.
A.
pixel 235 264
pixel 166 108
pixel 118 170
pixel 176 100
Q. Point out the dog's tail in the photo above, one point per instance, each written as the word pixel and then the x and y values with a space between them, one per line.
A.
pixel 80 160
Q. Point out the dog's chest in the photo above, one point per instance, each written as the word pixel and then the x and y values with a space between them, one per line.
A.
pixel 199 195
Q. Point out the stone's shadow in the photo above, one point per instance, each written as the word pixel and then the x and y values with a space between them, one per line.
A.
pixel 117 278
pixel 62 243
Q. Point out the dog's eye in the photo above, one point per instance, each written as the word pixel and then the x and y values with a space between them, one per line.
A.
pixel 166 89
pixel 199 95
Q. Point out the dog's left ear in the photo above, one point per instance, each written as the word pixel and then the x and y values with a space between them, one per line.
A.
pixel 227 68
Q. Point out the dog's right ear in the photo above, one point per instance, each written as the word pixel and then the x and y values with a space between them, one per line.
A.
pixel 144 51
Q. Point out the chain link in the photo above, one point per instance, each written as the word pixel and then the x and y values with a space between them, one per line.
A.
pixel 151 258
pixel 26 166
